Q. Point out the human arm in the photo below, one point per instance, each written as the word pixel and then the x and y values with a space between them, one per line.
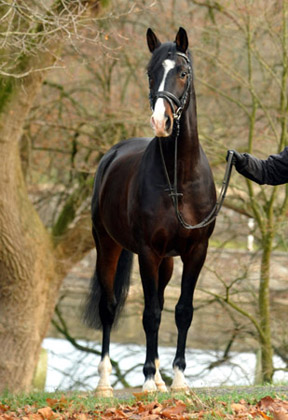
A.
pixel 271 171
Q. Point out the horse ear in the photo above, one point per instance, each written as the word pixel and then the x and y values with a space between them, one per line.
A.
pixel 152 40
pixel 181 40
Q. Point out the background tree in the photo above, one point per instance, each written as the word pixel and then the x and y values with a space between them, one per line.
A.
pixel 252 78
pixel 32 260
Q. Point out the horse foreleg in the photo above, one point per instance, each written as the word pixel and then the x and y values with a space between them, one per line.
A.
pixel 183 317
pixel 165 273
pixel 149 265
pixel 184 313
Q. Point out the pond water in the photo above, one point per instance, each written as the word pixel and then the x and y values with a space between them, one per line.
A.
pixel 71 369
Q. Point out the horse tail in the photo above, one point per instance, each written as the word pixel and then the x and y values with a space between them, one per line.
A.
pixel 121 287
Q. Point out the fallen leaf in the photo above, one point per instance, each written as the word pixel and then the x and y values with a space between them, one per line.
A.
pixel 157 409
pixel 4 407
pixel 52 402
pixel 7 417
pixel 47 413
pixel 264 415
pixel 135 417
pixel 172 412
pixel 280 415
pixel 58 404
pixel 140 396
pixel 81 416
pixel 237 408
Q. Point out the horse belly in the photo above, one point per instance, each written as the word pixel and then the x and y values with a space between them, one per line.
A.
pixel 116 202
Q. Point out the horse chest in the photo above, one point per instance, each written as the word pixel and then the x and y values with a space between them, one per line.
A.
pixel 163 232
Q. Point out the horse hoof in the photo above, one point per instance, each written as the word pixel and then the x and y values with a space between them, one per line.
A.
pixel 161 387
pixel 104 392
pixel 149 386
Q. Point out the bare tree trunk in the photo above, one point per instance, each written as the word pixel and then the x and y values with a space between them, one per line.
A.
pixel 264 312
pixel 28 282
pixel 32 264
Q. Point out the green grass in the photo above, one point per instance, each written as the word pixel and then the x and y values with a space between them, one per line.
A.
pixel 87 400
pixel 39 399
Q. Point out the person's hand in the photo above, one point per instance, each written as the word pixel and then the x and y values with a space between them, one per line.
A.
pixel 238 159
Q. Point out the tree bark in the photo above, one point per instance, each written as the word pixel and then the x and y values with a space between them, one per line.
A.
pixel 32 263
pixel 28 285
pixel 32 267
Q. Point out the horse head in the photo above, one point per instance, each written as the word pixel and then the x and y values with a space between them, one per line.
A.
pixel 170 76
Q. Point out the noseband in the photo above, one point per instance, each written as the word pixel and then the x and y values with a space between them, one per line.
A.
pixel 170 97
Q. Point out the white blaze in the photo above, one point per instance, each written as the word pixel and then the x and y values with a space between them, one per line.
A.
pixel 159 110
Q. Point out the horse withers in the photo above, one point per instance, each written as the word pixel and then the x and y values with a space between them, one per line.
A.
pixel 148 196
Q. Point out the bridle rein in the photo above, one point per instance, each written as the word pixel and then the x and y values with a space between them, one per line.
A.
pixel 172 188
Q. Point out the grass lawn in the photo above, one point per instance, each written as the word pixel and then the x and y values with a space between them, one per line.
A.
pixel 221 403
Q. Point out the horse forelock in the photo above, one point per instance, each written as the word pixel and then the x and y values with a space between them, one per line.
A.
pixel 167 50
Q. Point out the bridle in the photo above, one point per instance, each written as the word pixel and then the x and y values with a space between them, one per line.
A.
pixel 172 188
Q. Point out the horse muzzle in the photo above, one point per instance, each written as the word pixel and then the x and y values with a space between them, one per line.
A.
pixel 162 123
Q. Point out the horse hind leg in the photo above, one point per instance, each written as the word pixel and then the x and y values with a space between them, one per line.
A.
pixel 109 289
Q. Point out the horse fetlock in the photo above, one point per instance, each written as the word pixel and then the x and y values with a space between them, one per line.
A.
pixel 149 369
pixel 179 363
pixel 104 388
pixel 105 366
pixel 158 378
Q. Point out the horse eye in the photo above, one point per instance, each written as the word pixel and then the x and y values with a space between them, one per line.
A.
pixel 151 82
pixel 183 74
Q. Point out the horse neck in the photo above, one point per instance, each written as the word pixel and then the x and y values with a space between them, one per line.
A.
pixel 188 140
pixel 188 146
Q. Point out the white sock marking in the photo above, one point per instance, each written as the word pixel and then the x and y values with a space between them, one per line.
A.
pixel 179 382
pixel 104 369
pixel 149 386
pixel 158 378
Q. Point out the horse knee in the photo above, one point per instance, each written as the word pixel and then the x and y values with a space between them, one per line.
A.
pixel 151 319
pixel 183 315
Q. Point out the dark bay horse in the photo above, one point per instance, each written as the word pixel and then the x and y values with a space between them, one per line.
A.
pixel 148 195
